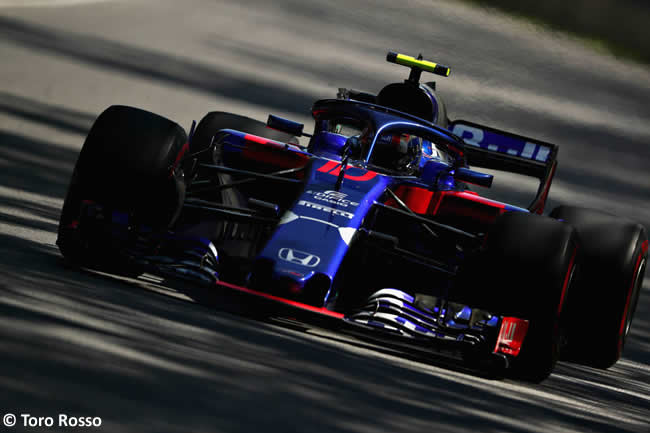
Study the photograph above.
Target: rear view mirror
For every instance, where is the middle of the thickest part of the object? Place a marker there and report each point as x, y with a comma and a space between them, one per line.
473, 177
285, 125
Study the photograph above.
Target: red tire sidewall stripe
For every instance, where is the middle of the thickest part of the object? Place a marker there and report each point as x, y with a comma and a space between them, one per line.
179, 157
565, 285
621, 330
566, 281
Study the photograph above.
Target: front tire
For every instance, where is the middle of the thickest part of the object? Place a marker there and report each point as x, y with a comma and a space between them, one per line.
129, 162
525, 270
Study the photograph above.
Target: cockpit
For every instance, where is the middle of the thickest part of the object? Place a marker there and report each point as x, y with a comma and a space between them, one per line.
376, 137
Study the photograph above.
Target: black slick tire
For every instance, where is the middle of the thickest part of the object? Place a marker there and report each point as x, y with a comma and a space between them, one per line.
129, 162
525, 270
612, 259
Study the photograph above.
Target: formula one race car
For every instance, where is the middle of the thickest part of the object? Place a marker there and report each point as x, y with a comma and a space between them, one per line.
372, 228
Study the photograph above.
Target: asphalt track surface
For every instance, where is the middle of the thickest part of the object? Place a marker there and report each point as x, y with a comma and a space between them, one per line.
146, 361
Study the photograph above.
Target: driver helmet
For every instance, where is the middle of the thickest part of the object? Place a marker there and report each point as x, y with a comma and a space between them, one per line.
398, 152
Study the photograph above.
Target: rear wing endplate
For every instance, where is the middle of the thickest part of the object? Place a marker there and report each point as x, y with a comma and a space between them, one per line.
499, 150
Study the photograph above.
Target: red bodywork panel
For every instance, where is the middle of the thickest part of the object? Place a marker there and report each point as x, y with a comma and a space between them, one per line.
448, 203
422, 201
266, 151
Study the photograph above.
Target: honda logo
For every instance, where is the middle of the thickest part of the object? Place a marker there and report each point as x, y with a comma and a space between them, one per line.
298, 257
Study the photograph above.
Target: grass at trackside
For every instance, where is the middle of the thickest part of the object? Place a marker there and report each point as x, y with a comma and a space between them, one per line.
619, 27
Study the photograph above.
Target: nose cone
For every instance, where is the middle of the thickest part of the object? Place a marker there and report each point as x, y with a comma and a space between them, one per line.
306, 286
303, 256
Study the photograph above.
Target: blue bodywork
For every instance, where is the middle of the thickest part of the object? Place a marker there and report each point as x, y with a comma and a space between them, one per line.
316, 230
322, 223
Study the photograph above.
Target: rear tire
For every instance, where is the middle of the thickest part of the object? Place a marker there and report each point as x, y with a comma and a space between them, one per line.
129, 162
612, 259
239, 241
202, 139
216, 120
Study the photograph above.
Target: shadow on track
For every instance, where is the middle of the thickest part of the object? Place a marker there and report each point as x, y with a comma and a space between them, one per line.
35, 166
150, 363
45, 114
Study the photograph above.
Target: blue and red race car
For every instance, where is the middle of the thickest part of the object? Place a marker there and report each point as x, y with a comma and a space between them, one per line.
373, 228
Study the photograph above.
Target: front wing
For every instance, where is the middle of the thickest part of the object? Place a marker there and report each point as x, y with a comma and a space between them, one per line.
394, 322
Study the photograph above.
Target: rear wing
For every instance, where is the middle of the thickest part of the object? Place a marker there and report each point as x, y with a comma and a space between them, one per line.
499, 150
